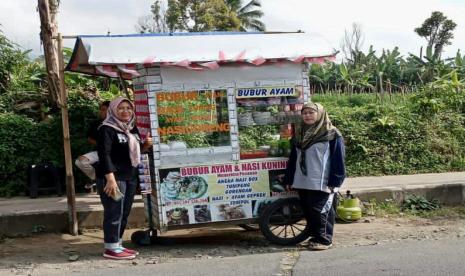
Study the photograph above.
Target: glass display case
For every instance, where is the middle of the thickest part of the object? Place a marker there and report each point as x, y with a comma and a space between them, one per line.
266, 121
194, 126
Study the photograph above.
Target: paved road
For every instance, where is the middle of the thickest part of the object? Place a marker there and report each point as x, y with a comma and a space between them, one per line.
442, 257
434, 257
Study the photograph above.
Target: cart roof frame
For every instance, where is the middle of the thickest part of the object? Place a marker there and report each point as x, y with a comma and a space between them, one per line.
119, 55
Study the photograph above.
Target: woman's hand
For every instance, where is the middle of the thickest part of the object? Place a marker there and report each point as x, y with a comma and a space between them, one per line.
111, 186
147, 143
333, 189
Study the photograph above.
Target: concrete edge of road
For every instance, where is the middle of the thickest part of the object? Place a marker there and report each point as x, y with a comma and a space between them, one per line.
448, 193
12, 225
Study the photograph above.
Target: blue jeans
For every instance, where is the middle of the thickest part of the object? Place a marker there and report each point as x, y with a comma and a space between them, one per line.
115, 213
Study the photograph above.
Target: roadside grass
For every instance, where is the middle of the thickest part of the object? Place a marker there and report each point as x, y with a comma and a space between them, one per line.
390, 208
443, 212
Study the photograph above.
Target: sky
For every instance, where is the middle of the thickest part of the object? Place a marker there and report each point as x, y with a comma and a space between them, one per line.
385, 24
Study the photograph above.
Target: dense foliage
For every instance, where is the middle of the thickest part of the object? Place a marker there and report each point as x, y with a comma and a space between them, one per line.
31, 126
417, 133
26, 142
388, 72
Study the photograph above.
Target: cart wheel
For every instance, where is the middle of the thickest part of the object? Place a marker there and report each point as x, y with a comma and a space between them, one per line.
283, 222
250, 227
142, 237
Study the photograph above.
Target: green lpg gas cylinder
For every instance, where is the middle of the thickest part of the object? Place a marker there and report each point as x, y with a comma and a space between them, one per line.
349, 209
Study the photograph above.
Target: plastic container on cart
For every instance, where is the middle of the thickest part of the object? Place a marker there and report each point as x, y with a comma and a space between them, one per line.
164, 147
177, 145
199, 151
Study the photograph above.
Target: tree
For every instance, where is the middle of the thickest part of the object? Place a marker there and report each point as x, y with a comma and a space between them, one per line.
23, 85
352, 42
154, 23
249, 15
8, 60
201, 16
48, 11
437, 30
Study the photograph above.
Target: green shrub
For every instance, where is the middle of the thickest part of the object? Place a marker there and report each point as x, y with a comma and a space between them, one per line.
394, 137
26, 142
416, 204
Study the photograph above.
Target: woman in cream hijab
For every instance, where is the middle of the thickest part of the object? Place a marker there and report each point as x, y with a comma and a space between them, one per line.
316, 170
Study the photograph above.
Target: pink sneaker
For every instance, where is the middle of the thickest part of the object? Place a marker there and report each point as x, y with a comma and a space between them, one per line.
130, 251
118, 255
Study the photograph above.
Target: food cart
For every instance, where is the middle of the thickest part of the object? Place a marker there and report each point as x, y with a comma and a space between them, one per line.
220, 109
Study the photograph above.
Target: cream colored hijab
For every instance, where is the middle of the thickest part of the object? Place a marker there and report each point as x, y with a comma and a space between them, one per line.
321, 130
307, 135
112, 121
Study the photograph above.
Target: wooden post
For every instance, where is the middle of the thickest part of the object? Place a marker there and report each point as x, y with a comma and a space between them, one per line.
55, 72
70, 191
380, 74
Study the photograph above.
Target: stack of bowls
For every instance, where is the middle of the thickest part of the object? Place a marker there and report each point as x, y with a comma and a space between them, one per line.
261, 118
245, 119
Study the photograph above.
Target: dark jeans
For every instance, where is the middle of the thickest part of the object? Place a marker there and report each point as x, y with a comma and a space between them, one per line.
321, 221
115, 213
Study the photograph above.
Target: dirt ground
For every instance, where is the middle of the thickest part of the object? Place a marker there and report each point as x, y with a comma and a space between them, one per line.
47, 254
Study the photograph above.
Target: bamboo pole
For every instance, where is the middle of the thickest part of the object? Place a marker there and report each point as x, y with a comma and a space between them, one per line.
70, 191
55, 72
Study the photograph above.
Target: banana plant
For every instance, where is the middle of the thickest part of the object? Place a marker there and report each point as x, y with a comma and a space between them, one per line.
387, 71
458, 63
430, 65
346, 76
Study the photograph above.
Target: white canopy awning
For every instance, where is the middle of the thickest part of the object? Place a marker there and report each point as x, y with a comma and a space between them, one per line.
110, 55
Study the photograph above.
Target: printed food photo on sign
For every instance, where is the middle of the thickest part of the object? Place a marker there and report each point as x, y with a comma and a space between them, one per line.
177, 216
225, 211
145, 184
258, 206
144, 171
144, 175
202, 213
175, 187
277, 184
146, 178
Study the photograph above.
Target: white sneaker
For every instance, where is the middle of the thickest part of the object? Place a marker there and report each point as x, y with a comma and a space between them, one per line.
89, 186
315, 246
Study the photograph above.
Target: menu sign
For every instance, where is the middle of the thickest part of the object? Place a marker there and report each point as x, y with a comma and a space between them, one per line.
220, 192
